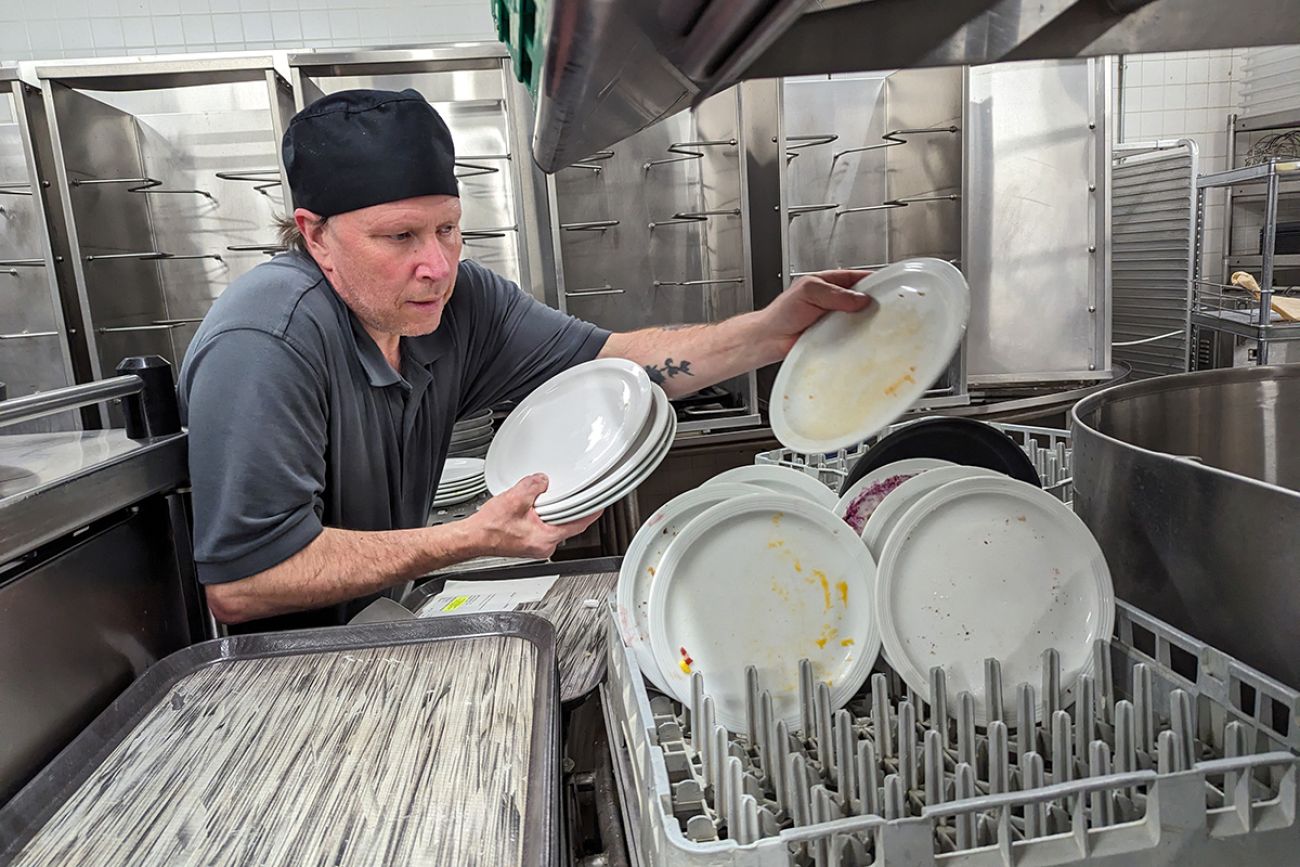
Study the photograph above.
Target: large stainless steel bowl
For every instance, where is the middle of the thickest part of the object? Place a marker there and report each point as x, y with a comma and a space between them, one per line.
1191, 484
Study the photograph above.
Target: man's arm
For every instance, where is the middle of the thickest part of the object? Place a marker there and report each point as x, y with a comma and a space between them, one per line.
684, 359
340, 565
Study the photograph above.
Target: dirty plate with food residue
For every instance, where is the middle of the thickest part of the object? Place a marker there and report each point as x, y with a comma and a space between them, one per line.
991, 567
864, 496
764, 580
852, 374
641, 563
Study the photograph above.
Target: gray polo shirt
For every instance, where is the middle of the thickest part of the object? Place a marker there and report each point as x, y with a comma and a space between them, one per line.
297, 422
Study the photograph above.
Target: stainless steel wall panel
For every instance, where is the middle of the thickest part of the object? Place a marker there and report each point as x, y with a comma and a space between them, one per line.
34, 352
1039, 161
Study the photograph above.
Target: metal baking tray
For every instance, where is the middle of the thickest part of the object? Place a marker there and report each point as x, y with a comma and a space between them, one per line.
580, 642
121, 758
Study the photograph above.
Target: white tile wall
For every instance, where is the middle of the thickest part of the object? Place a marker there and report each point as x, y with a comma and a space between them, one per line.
52, 29
1186, 95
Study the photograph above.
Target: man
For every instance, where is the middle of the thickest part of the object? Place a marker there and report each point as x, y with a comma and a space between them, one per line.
321, 389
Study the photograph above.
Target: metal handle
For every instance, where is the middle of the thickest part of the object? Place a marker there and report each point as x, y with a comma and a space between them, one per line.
268, 249
701, 410
142, 185
798, 210
22, 263
698, 282
892, 139
695, 217
473, 165
264, 179
596, 290
157, 325
902, 202
686, 154
153, 255
494, 232
590, 226
16, 188
590, 162
33, 406
23, 335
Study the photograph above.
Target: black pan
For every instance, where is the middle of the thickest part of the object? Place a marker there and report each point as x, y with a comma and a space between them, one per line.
960, 440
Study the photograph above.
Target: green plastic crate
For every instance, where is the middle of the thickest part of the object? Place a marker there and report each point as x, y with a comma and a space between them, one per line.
517, 23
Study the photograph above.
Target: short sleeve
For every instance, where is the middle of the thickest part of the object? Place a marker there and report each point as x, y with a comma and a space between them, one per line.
514, 342
257, 413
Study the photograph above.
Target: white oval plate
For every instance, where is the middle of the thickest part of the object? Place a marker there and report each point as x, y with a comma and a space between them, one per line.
764, 580
857, 517
991, 567
630, 484
886, 516
641, 562
851, 374
574, 427
457, 470
648, 442
782, 480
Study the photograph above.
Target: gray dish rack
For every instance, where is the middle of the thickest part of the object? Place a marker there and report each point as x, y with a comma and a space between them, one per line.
1169, 752
1048, 448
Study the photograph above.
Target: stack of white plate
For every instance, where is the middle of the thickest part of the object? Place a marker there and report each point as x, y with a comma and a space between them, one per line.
597, 431
471, 436
462, 480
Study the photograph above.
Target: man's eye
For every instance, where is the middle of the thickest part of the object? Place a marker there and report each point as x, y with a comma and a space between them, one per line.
446, 230
400, 236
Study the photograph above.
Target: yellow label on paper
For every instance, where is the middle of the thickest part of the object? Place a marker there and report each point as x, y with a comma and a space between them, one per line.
455, 603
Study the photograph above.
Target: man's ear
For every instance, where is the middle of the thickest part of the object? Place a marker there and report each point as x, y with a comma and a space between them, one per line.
312, 228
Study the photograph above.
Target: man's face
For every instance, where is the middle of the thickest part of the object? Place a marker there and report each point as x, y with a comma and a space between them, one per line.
393, 264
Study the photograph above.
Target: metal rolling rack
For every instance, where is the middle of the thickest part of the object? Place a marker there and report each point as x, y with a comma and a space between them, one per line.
1219, 306
170, 171
655, 231
486, 110
1153, 245
1165, 752
35, 353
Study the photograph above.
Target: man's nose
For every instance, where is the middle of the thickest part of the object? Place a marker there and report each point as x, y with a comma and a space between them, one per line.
435, 262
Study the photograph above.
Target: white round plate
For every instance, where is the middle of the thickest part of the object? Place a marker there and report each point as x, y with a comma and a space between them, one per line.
782, 480
450, 491
866, 494
627, 486
574, 427
461, 470
649, 441
764, 580
463, 497
641, 562
851, 374
991, 567
886, 516
480, 452
475, 433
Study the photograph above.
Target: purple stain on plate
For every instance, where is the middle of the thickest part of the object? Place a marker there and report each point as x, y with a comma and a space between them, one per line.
866, 502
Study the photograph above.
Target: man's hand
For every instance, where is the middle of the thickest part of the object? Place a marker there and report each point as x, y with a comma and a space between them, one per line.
807, 300
508, 525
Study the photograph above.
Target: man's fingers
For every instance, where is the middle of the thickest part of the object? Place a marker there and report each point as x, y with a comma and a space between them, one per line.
843, 278
573, 528
830, 296
532, 487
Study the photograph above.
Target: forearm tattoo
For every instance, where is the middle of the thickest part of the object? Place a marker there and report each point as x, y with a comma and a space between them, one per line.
661, 374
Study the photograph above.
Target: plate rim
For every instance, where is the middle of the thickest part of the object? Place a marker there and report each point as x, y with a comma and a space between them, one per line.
892, 645
878, 473
809, 484
647, 443
967, 473
633, 566
641, 404
861, 666
628, 486
943, 272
